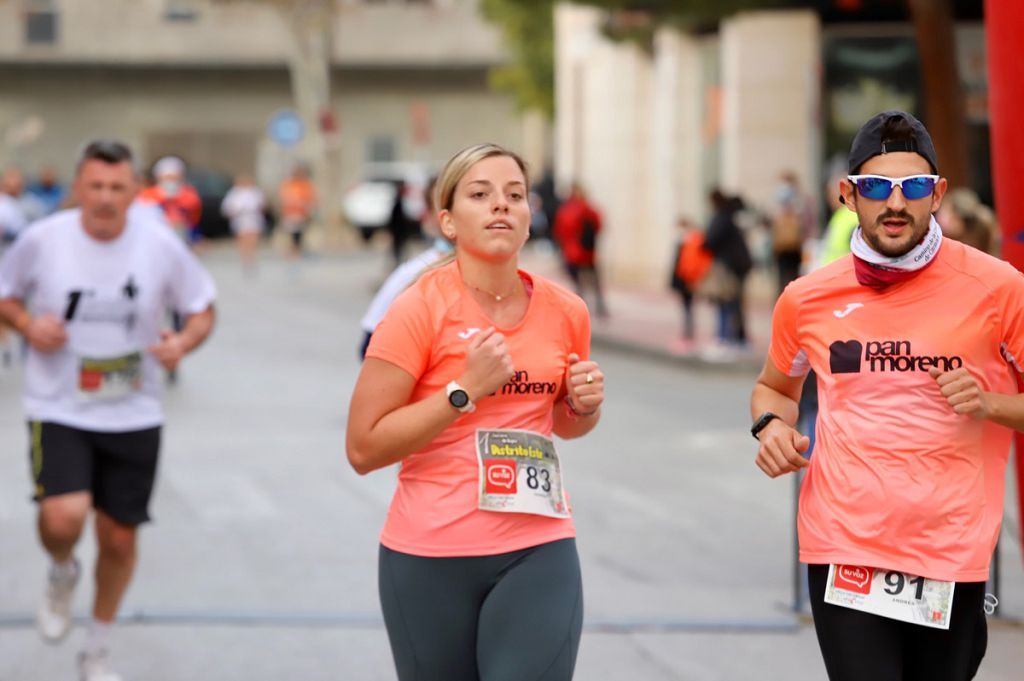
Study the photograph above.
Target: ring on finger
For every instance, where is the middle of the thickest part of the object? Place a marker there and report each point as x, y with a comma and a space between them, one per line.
590, 378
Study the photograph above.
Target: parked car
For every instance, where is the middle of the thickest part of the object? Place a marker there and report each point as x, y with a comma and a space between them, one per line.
368, 205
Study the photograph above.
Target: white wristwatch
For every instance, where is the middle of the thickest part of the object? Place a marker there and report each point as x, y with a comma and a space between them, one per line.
459, 398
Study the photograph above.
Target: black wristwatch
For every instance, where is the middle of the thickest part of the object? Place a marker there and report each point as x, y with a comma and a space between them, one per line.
459, 398
762, 422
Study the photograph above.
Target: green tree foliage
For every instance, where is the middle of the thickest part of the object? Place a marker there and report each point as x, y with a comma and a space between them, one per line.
529, 32
528, 29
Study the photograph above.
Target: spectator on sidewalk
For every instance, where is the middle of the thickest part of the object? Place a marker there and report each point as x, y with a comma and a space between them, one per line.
13, 216
965, 218
792, 225
577, 226
48, 192
841, 225
731, 265
400, 226
689, 268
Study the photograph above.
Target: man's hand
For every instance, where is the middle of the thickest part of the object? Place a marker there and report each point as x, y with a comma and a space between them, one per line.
781, 450
169, 350
963, 393
46, 333
584, 385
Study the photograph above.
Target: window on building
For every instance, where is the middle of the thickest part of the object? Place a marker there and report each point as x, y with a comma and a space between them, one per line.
380, 149
181, 10
40, 22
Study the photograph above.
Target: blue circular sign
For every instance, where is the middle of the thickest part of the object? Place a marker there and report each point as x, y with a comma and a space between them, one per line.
286, 128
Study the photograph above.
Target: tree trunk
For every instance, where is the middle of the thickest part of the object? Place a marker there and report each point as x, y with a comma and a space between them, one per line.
310, 24
944, 109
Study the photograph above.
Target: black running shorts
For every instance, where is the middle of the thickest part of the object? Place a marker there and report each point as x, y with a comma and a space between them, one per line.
117, 468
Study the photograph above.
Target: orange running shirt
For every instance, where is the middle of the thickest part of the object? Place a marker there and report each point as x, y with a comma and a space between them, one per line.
898, 480
425, 332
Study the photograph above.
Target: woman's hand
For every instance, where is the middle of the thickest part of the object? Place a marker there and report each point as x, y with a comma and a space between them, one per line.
488, 365
584, 385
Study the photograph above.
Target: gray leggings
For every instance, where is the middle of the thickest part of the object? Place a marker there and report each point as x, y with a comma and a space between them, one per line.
511, 617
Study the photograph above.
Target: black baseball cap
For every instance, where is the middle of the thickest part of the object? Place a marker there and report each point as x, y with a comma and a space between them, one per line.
869, 143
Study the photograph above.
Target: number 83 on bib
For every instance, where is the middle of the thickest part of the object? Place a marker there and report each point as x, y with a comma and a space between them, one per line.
520, 473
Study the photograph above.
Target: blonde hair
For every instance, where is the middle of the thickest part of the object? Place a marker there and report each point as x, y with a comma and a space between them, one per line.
459, 164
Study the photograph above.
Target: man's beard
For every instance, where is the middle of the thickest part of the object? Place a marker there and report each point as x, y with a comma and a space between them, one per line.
887, 248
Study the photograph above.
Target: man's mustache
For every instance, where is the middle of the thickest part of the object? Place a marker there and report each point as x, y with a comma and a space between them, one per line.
895, 215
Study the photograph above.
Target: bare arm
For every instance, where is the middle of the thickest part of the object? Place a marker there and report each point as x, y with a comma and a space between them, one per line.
173, 346
383, 427
782, 445
965, 396
45, 333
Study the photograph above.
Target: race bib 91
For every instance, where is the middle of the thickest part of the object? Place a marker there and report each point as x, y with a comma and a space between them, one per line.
892, 594
109, 378
520, 473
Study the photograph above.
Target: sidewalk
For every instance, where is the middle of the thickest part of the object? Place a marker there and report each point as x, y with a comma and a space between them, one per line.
649, 323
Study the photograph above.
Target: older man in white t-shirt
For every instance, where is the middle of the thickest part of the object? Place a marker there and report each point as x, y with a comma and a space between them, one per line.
88, 289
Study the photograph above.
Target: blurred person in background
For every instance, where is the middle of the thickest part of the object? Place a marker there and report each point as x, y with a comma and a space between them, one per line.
793, 223
965, 218
691, 265
15, 210
178, 200
727, 277
577, 226
88, 289
400, 226
244, 206
472, 371
841, 225
181, 207
12, 222
48, 191
409, 271
298, 201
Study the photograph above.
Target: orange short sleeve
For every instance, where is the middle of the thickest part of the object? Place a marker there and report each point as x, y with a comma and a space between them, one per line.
406, 334
784, 349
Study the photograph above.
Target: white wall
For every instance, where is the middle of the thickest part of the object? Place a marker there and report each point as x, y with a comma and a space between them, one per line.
771, 65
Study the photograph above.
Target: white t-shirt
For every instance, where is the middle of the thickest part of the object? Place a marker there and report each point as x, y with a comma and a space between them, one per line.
399, 280
12, 217
113, 297
243, 207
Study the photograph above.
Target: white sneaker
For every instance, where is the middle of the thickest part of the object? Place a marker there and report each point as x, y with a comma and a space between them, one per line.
54, 616
96, 667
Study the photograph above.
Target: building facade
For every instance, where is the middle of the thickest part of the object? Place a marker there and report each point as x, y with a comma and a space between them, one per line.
203, 78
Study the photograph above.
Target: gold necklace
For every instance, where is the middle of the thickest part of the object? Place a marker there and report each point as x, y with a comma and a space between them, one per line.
497, 297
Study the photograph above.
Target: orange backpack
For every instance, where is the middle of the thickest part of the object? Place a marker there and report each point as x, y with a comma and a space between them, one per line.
694, 262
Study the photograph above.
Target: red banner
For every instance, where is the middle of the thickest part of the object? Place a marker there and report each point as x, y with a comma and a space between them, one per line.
1004, 26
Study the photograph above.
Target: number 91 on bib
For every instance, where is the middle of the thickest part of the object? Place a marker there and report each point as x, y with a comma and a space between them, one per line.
520, 473
890, 593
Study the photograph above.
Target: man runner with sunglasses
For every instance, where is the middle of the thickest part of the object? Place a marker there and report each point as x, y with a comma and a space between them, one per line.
914, 339
87, 288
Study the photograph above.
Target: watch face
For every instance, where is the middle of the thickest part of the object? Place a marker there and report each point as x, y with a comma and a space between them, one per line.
458, 399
